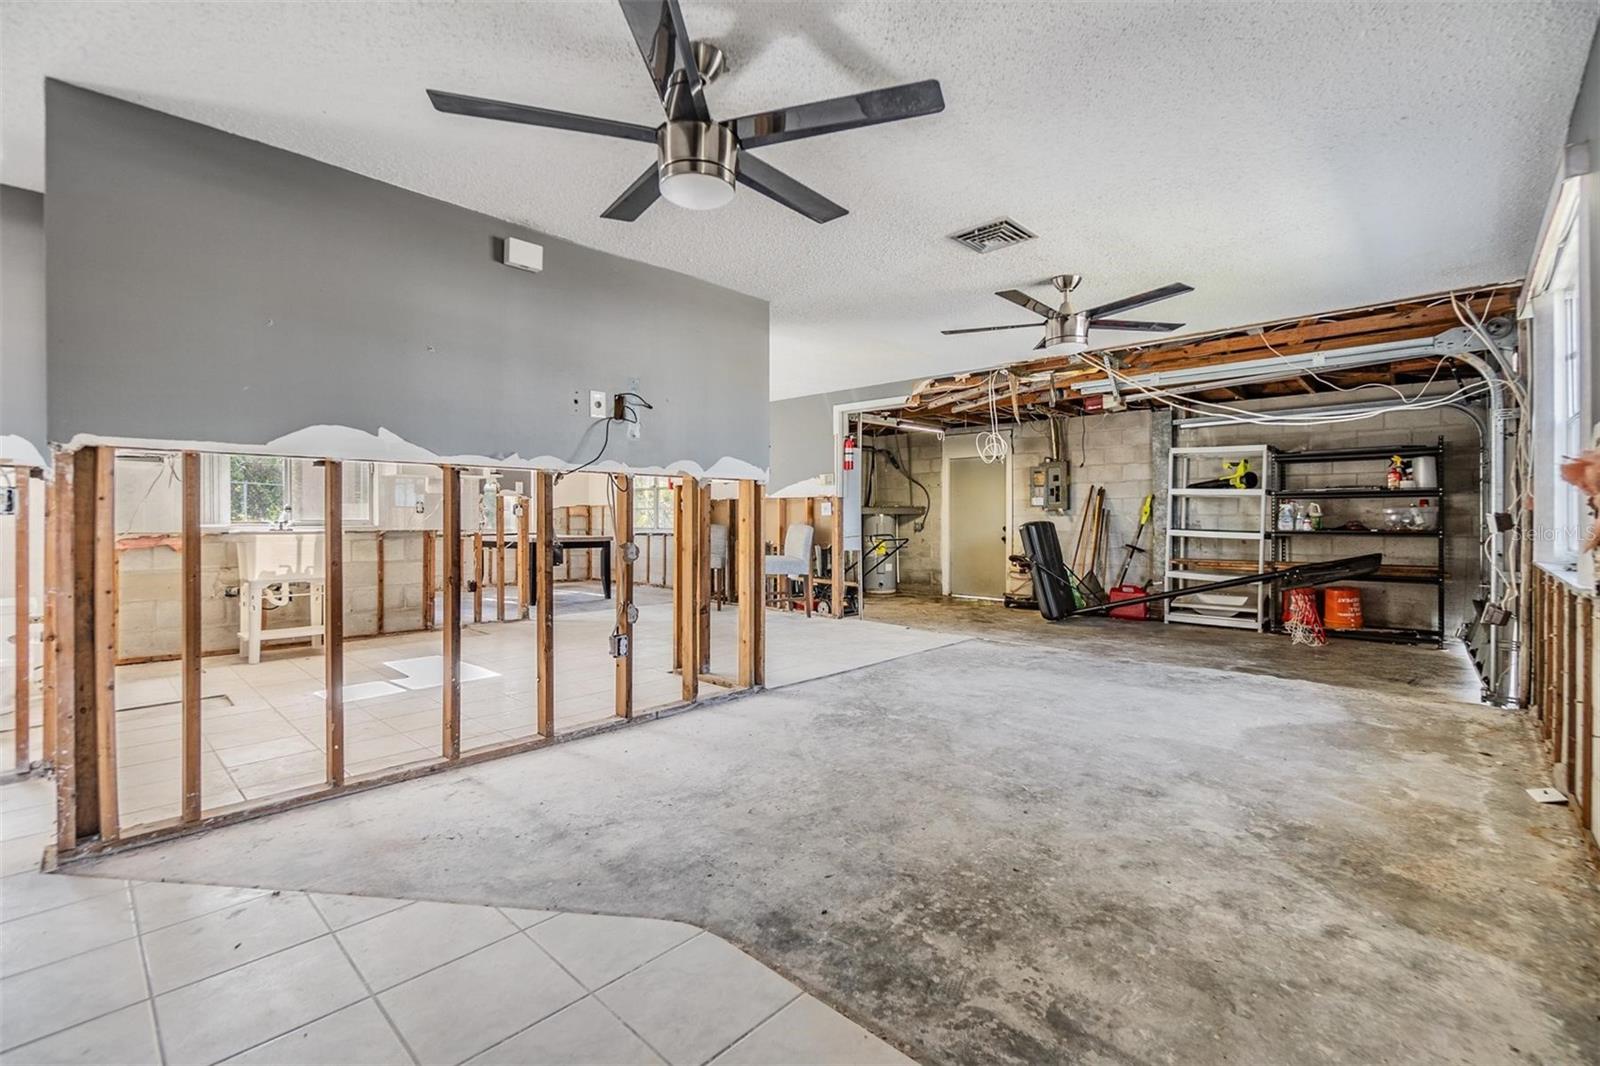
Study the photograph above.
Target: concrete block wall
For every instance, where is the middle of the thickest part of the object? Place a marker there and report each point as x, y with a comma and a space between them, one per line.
1120, 451
150, 582
1107, 451
919, 559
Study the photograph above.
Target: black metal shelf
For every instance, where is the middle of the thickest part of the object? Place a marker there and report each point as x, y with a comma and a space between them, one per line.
1355, 494
1391, 635
1277, 465
1356, 532
1339, 455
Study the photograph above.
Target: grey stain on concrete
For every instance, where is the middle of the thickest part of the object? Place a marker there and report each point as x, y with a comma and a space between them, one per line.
1076, 846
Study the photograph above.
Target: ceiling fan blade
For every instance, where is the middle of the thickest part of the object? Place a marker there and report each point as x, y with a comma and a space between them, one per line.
1123, 323
772, 182
663, 40
1022, 299
1129, 302
990, 329
478, 107
840, 113
644, 191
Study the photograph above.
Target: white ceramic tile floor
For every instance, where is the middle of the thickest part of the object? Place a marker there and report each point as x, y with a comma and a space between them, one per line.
214, 974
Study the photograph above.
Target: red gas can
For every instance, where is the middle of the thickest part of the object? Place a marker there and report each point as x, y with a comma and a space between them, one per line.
1139, 612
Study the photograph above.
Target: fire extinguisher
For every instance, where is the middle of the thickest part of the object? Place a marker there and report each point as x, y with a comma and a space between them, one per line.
850, 452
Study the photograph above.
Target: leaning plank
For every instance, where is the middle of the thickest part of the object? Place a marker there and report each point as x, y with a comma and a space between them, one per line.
333, 614
192, 681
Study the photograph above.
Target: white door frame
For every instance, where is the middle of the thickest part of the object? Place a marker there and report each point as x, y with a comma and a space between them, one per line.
965, 446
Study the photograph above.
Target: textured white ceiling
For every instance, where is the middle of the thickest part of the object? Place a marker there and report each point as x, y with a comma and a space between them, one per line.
1281, 157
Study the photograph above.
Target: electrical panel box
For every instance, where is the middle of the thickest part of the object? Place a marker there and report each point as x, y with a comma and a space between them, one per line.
1047, 486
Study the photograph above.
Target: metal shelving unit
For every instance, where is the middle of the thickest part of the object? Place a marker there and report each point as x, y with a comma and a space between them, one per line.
1188, 510
1282, 539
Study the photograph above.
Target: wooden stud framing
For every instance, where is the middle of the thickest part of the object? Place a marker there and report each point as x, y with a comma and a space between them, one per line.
749, 562
23, 710
64, 532
499, 559
451, 740
678, 593
380, 582
524, 564
545, 600
427, 578
192, 681
687, 590
837, 588
102, 651
623, 567
333, 614
477, 575
702, 600
48, 641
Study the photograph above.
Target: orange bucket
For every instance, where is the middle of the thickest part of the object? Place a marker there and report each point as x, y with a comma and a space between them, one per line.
1341, 608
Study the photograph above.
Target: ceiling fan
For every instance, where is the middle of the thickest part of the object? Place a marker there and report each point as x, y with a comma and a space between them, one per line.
1066, 327
698, 160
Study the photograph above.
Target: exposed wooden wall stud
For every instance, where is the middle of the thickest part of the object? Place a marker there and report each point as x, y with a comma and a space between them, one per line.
623, 535
333, 614
192, 624
23, 709
544, 600
451, 743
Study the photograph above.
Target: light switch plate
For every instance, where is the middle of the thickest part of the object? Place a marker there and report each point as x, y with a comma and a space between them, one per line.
597, 404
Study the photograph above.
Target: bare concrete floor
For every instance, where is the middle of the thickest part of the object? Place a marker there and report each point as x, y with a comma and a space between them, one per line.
1099, 842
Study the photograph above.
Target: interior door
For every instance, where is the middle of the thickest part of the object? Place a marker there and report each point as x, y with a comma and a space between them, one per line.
978, 534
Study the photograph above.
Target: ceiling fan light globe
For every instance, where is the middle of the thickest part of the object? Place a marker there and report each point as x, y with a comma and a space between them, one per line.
695, 190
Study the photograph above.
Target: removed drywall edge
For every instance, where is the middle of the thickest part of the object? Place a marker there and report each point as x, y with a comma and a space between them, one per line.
349, 444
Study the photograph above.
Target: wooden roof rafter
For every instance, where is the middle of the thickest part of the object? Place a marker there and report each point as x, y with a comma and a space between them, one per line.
1048, 385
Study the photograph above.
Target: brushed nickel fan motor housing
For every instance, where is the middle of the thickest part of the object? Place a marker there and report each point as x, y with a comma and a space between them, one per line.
699, 148
1067, 329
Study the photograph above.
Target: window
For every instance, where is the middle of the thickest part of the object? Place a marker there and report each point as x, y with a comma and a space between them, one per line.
1568, 514
253, 490
258, 487
652, 504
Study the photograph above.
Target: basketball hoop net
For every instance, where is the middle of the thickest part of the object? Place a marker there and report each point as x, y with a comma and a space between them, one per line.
1304, 627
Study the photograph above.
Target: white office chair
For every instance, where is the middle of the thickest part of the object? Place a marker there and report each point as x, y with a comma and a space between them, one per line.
793, 564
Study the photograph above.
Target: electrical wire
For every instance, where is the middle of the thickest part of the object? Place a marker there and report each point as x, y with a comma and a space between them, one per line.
992, 447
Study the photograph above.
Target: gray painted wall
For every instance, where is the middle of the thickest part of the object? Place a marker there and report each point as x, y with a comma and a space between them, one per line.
207, 287
22, 317
802, 430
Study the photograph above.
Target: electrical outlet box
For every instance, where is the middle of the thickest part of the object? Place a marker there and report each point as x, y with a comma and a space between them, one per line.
597, 404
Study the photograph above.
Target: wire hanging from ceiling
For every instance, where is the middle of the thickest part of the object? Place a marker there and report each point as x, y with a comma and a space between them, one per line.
991, 444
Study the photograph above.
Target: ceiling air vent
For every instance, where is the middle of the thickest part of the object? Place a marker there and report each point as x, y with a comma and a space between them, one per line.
1001, 233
